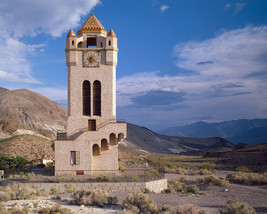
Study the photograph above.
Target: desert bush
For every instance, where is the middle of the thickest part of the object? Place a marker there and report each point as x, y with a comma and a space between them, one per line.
97, 198
148, 174
3, 209
176, 186
60, 180
236, 207
204, 172
112, 200
242, 169
53, 190
138, 202
69, 188
214, 181
145, 190
101, 179
30, 176
15, 210
121, 167
187, 209
247, 178
12, 192
181, 171
135, 177
207, 165
56, 209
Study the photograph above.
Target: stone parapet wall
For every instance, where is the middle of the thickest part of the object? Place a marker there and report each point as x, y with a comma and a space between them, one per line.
155, 186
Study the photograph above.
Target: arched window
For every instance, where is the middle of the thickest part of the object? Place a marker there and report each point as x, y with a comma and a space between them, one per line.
72, 42
80, 44
96, 150
120, 137
86, 98
97, 98
112, 139
109, 43
104, 144
101, 44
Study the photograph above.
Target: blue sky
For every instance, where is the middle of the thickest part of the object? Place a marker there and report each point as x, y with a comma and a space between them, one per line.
180, 61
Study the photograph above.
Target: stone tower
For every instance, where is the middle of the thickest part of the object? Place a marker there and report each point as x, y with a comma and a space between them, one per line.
93, 133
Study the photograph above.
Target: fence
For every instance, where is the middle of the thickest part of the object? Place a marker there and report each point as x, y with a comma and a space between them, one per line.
86, 176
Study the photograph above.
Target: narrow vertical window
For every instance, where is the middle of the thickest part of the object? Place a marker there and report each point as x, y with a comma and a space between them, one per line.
72, 157
109, 43
86, 98
72, 43
97, 98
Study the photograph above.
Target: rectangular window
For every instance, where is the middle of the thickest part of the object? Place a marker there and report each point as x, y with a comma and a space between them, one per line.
91, 41
91, 125
75, 158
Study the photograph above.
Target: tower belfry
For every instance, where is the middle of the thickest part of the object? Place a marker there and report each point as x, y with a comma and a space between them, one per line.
93, 132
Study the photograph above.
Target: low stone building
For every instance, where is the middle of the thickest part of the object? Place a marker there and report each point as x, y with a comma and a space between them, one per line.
90, 144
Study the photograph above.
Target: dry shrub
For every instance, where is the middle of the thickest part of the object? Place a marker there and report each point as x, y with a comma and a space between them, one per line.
97, 198
138, 202
3, 209
214, 181
247, 178
14, 210
207, 165
181, 171
242, 169
187, 209
12, 192
56, 209
176, 186
236, 207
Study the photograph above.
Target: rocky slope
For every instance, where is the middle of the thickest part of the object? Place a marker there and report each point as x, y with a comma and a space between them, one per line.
26, 109
142, 139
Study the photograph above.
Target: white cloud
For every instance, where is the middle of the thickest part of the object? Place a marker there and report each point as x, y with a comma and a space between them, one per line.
32, 17
235, 53
227, 6
228, 82
14, 60
164, 7
21, 18
239, 7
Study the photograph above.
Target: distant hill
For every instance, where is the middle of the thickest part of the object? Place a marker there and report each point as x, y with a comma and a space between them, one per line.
255, 157
142, 139
246, 131
26, 109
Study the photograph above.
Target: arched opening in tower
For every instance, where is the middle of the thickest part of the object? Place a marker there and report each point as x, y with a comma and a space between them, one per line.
86, 98
96, 150
104, 144
97, 98
112, 139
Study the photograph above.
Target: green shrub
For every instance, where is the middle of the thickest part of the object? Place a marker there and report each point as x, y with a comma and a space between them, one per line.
56, 209
148, 174
53, 190
236, 207
101, 179
207, 165
247, 178
121, 167
112, 200
138, 202
190, 189
214, 181
60, 180
242, 169
135, 177
187, 209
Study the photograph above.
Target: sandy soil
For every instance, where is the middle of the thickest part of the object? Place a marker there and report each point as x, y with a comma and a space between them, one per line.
48, 202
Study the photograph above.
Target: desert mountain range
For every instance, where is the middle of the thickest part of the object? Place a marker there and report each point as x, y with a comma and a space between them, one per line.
23, 112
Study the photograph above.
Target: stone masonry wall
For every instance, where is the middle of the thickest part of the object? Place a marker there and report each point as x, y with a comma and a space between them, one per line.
154, 186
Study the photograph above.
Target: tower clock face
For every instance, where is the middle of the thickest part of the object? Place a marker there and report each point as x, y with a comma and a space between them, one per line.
91, 59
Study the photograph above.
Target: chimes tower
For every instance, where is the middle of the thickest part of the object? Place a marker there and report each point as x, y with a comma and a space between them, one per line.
93, 133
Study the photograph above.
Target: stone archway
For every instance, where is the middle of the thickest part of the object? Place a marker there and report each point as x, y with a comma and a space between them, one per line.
104, 144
